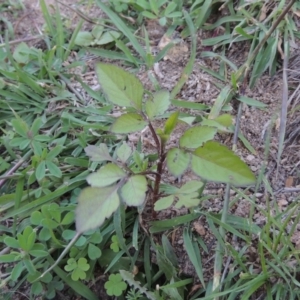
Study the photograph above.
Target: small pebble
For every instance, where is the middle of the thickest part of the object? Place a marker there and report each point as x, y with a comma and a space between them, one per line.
250, 157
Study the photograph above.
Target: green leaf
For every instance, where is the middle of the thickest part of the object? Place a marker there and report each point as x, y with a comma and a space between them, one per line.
93, 252
189, 200
190, 187
178, 161
108, 37
149, 15
40, 171
8, 258
68, 218
164, 203
196, 136
21, 53
54, 152
251, 102
97, 31
54, 169
124, 152
11, 242
242, 32
72, 264
159, 104
38, 253
106, 175
134, 190
84, 38
17, 271
35, 127
225, 120
121, 87
215, 162
98, 154
171, 123
20, 127
94, 206
128, 123
115, 286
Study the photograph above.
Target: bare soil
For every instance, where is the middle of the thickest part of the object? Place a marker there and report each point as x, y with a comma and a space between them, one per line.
201, 88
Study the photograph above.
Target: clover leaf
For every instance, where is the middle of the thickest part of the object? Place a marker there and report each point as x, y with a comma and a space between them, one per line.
78, 268
115, 285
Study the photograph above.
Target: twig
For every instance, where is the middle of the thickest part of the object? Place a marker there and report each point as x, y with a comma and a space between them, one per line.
28, 39
15, 167
284, 105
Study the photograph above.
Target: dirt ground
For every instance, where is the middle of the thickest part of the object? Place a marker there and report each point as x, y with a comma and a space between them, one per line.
201, 88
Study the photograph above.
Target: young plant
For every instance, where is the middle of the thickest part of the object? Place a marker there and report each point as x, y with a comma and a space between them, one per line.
126, 175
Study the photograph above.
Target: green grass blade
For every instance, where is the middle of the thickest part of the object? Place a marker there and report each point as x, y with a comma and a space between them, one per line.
194, 254
118, 22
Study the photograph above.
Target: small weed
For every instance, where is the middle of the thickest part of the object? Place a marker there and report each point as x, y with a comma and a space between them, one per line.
115, 285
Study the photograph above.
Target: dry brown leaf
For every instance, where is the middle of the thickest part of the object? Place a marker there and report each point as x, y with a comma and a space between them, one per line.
199, 228
280, 49
289, 182
263, 12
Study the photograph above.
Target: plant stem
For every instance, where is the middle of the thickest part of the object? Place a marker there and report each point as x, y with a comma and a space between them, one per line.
162, 156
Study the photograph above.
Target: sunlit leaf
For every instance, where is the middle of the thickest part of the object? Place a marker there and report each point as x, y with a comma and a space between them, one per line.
94, 206
188, 200
128, 123
159, 104
164, 203
190, 187
124, 152
177, 161
108, 37
196, 136
214, 162
134, 190
84, 38
121, 87
171, 122
106, 175
225, 120
98, 153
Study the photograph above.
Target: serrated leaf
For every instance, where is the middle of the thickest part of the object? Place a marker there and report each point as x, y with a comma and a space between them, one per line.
98, 153
171, 123
94, 206
121, 87
188, 200
196, 136
214, 162
164, 203
177, 161
124, 152
159, 104
134, 190
128, 123
190, 187
106, 175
